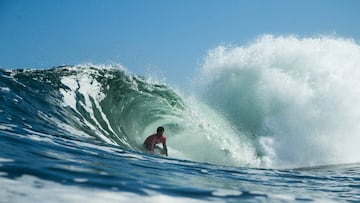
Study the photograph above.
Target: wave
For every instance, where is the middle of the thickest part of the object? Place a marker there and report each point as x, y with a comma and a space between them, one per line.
277, 102
107, 104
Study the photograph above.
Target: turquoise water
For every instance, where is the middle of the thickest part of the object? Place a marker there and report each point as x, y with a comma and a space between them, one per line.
261, 125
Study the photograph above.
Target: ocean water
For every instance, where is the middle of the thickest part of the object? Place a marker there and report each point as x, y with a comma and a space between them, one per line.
276, 120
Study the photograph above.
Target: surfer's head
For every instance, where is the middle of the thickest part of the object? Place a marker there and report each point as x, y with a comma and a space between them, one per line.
160, 131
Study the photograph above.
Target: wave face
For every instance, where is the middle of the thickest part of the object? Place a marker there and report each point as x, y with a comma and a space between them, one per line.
108, 105
297, 99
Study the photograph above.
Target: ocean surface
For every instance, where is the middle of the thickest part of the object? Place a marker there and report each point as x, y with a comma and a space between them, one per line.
263, 123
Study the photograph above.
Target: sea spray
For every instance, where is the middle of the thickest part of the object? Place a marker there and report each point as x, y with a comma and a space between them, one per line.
297, 97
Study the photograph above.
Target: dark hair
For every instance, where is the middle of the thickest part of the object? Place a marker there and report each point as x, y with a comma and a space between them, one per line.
160, 129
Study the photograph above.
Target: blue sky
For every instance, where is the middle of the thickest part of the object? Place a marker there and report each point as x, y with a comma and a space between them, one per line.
167, 38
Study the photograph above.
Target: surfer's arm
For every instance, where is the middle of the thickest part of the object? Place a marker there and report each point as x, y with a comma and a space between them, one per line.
165, 148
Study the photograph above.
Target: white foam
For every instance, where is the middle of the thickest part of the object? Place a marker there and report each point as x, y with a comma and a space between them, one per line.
6, 160
81, 180
226, 192
3, 173
5, 89
36, 190
85, 84
300, 93
6, 127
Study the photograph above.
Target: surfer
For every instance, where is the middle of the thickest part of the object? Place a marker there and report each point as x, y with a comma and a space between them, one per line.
154, 139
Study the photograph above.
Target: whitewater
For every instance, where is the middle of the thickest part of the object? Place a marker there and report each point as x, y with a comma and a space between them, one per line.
276, 120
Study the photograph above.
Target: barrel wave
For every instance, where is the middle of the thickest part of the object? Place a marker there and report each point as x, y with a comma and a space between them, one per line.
107, 104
